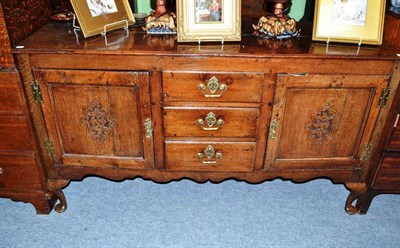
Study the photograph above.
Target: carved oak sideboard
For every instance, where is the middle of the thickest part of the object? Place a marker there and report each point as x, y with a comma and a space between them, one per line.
133, 105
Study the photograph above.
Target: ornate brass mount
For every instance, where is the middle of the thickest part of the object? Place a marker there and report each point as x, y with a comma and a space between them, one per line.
1, 171
206, 157
213, 86
211, 120
148, 128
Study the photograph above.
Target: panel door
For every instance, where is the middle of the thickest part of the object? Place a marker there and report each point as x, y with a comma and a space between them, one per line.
322, 121
97, 118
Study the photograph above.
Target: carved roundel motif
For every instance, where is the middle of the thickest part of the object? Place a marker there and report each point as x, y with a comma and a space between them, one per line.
97, 120
323, 124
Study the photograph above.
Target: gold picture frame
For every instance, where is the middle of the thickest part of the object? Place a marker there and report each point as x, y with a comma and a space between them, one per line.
349, 21
209, 20
96, 17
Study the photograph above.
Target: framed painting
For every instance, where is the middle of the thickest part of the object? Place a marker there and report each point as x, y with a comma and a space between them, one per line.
351, 21
100, 16
209, 20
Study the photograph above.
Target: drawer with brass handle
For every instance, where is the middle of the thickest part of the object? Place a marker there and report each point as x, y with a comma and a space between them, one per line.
18, 173
210, 122
209, 156
204, 86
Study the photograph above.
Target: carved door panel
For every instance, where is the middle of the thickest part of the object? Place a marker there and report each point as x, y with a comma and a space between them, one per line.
322, 121
98, 118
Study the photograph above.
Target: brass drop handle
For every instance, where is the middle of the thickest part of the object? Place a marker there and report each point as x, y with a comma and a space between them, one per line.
1, 171
211, 121
209, 155
214, 87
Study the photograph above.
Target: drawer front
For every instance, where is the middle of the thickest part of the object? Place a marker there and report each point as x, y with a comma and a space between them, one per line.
14, 134
394, 142
224, 87
10, 99
18, 173
388, 176
206, 122
210, 156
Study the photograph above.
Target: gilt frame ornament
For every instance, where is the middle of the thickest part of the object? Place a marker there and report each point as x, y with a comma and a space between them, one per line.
190, 29
362, 25
323, 125
97, 17
98, 121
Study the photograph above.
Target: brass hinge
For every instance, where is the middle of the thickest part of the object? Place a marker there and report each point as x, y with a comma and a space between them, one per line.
148, 128
37, 93
51, 151
272, 129
384, 97
366, 152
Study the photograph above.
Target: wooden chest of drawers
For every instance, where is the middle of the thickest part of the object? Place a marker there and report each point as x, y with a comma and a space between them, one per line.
210, 120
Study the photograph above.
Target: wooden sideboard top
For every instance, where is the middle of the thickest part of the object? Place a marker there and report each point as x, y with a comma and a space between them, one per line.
62, 38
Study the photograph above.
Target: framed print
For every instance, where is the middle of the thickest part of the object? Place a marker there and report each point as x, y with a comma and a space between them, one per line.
98, 16
209, 20
351, 21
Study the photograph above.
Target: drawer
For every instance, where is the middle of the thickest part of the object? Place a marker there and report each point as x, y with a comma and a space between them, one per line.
14, 134
388, 176
394, 142
210, 122
10, 98
202, 86
18, 173
209, 156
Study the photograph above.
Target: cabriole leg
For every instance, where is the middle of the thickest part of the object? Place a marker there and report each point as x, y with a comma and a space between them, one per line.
357, 191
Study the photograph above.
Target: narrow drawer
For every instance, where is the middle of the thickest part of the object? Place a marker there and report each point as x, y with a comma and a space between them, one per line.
18, 173
209, 156
10, 98
14, 134
206, 122
388, 176
202, 86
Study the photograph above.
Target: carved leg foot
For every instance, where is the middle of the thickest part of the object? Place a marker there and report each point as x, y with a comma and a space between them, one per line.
55, 186
62, 205
357, 191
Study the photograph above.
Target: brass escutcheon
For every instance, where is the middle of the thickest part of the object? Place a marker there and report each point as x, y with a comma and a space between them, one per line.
1, 171
206, 157
214, 87
211, 120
